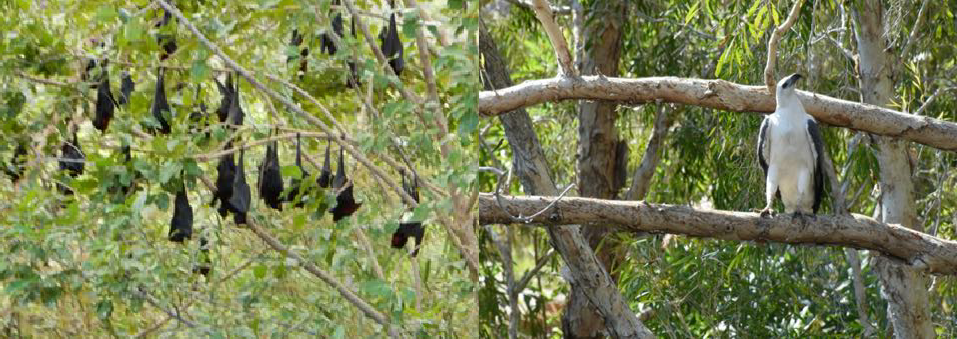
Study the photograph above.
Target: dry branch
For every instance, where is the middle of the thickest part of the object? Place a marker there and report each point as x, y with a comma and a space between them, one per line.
724, 95
543, 11
769, 79
920, 250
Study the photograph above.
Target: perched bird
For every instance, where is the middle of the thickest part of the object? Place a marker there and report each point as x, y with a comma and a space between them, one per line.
408, 229
181, 226
239, 201
325, 173
791, 152
126, 89
161, 105
225, 172
345, 201
270, 180
105, 104
72, 161
15, 168
391, 45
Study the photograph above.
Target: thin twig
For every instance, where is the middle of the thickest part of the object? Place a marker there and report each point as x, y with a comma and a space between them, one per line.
913, 32
769, 78
543, 11
641, 181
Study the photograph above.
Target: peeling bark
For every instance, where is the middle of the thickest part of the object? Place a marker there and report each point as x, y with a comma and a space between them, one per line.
599, 158
903, 245
531, 167
904, 288
723, 95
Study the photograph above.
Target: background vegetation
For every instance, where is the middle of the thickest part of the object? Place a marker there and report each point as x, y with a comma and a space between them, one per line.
711, 288
88, 265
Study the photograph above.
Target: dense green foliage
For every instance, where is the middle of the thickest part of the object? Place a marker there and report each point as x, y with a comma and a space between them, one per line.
710, 288
81, 265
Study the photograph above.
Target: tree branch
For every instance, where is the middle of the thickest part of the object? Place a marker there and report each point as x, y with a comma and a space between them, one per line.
914, 248
362, 305
724, 95
769, 78
649, 161
543, 11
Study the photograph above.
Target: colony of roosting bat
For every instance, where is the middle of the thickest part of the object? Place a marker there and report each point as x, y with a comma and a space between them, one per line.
232, 193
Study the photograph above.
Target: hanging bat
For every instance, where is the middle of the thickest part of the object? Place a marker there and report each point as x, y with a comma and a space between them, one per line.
236, 115
325, 40
227, 91
160, 105
325, 174
303, 53
239, 201
72, 161
225, 171
408, 229
15, 168
353, 69
270, 180
198, 118
391, 45
126, 89
104, 103
181, 226
345, 201
296, 192
166, 41
205, 261
120, 187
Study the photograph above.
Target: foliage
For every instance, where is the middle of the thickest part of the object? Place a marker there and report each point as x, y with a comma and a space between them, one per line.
80, 265
699, 288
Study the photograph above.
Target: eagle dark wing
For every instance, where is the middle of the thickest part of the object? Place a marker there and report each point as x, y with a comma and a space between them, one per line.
764, 147
818, 152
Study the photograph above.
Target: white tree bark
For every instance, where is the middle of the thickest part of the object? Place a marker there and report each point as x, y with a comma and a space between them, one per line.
904, 288
724, 95
906, 246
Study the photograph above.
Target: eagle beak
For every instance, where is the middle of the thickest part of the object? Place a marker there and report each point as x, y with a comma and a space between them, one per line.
792, 79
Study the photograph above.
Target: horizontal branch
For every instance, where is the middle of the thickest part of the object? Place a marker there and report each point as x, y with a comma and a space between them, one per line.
724, 95
918, 249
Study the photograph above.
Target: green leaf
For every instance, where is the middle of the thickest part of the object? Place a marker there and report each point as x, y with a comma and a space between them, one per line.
692, 12
259, 271
104, 308
199, 72
410, 23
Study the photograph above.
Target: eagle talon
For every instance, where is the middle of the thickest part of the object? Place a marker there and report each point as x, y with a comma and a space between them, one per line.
767, 213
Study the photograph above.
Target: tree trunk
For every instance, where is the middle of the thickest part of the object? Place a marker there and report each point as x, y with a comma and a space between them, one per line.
599, 156
532, 169
904, 289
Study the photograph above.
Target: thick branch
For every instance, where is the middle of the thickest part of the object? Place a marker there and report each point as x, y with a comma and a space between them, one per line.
769, 79
724, 95
649, 162
543, 11
917, 249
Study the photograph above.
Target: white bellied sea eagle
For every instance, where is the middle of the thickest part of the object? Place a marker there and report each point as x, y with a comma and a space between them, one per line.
791, 152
